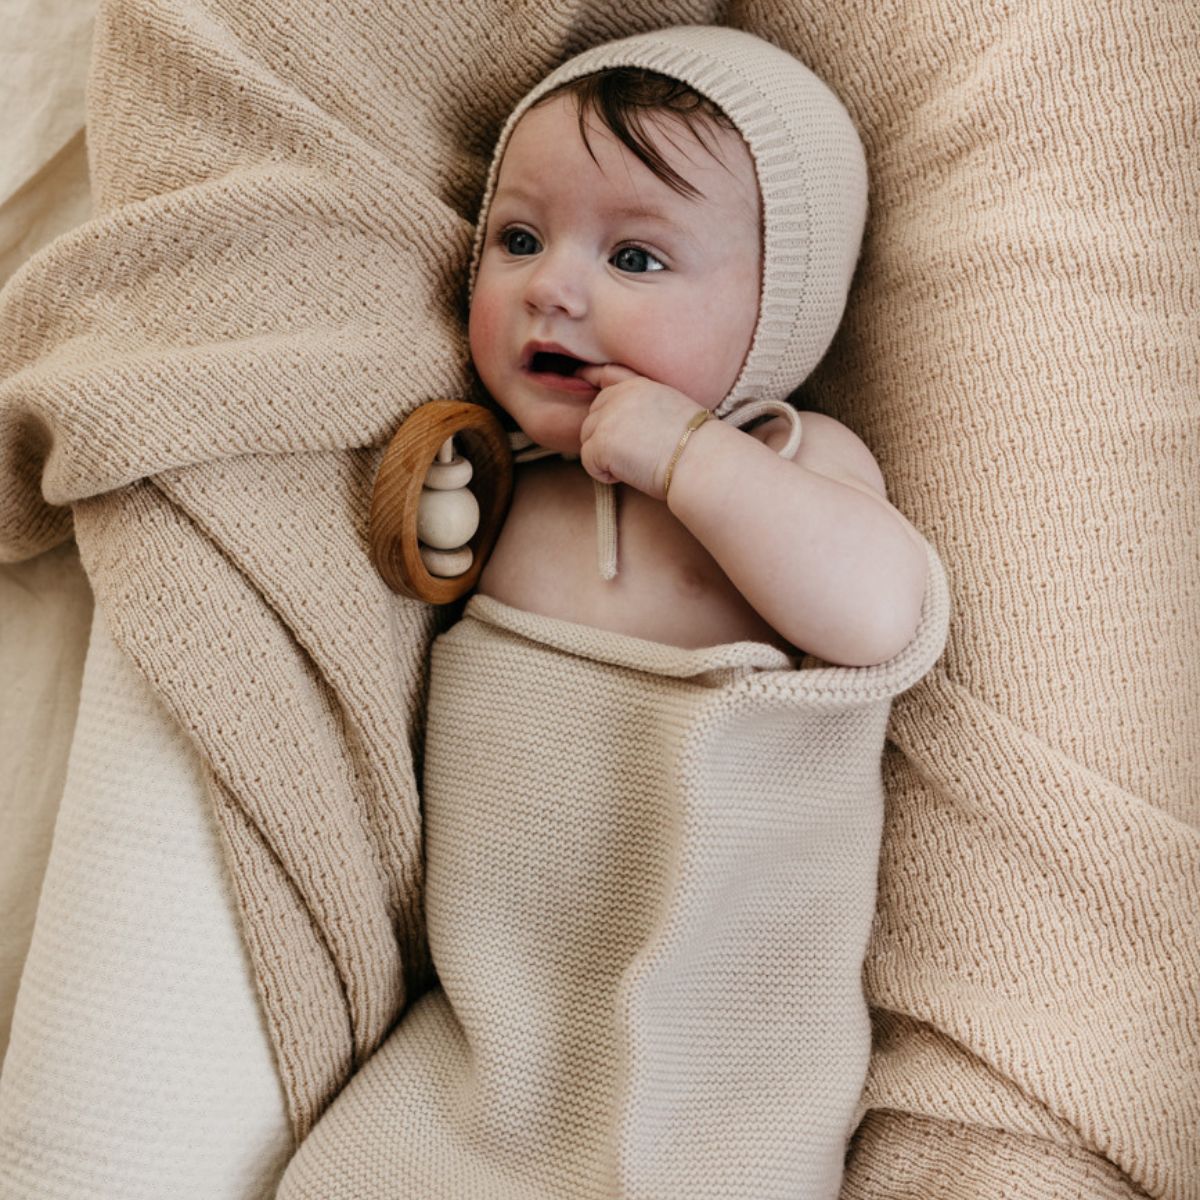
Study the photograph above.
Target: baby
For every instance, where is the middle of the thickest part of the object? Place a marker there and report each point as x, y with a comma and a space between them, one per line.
618, 291
650, 840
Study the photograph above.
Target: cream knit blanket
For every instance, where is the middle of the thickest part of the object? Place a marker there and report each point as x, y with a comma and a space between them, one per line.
204, 376
650, 882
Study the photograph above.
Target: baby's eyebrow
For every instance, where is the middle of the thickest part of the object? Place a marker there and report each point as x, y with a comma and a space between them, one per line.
625, 212
639, 212
509, 192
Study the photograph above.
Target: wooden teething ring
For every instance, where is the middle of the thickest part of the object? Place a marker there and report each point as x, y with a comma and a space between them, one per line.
393, 524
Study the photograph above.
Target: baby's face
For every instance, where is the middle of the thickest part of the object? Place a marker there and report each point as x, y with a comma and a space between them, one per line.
601, 261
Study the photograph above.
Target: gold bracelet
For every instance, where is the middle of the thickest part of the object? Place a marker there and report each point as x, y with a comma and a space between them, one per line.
694, 424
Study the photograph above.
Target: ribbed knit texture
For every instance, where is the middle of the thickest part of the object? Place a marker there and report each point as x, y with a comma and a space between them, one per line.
205, 374
650, 882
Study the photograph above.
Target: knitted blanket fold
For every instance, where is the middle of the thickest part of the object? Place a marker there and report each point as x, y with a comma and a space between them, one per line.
650, 877
199, 381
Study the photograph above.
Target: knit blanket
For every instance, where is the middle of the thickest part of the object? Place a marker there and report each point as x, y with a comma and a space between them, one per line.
198, 383
650, 877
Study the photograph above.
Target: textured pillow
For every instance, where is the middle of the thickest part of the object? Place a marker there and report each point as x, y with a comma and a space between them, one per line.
1020, 351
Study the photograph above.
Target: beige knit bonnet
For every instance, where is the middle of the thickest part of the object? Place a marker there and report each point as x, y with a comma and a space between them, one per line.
812, 178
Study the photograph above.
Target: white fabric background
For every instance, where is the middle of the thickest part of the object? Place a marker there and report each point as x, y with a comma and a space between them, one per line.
135, 1060
45, 604
139, 1066
45, 617
43, 164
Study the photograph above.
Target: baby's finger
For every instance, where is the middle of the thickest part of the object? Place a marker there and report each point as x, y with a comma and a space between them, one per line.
587, 458
588, 426
603, 375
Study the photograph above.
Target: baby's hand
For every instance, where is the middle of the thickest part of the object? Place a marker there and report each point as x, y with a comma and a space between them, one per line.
632, 428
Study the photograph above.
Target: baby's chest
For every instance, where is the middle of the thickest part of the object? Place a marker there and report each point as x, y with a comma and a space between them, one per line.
668, 587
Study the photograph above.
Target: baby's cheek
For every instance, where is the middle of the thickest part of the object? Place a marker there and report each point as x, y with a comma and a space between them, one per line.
681, 341
479, 324
483, 331
652, 344
712, 348
686, 362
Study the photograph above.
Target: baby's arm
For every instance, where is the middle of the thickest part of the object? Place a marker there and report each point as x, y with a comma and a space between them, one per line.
812, 543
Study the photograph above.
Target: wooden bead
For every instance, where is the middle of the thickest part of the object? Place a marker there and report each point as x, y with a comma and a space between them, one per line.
445, 476
447, 520
446, 564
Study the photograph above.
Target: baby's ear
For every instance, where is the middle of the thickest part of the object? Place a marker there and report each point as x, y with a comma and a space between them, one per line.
830, 448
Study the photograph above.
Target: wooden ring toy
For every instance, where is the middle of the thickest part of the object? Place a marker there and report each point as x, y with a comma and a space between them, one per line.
395, 503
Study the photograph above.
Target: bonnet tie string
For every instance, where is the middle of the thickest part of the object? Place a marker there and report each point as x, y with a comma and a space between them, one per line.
526, 450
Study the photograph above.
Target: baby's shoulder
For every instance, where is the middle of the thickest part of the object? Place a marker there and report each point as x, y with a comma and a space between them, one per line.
827, 447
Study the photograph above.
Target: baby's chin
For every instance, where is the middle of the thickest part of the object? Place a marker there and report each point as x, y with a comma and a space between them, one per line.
567, 447
559, 436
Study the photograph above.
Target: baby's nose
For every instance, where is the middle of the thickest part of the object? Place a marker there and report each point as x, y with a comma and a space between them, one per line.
556, 284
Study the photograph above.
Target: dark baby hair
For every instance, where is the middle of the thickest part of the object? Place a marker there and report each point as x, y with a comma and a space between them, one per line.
620, 96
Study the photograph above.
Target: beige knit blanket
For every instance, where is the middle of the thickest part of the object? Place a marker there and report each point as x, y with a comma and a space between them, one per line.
203, 377
650, 877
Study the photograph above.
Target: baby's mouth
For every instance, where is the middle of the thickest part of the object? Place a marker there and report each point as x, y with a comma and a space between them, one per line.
547, 362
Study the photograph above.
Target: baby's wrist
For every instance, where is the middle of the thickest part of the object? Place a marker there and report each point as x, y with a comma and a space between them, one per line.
698, 463
699, 418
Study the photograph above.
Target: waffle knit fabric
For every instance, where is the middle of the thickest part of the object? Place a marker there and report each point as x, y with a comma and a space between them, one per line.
200, 380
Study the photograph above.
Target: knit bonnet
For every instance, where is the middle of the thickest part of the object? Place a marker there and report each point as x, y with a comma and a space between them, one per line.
812, 179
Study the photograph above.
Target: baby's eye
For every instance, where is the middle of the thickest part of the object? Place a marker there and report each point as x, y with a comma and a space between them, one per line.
635, 260
519, 241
